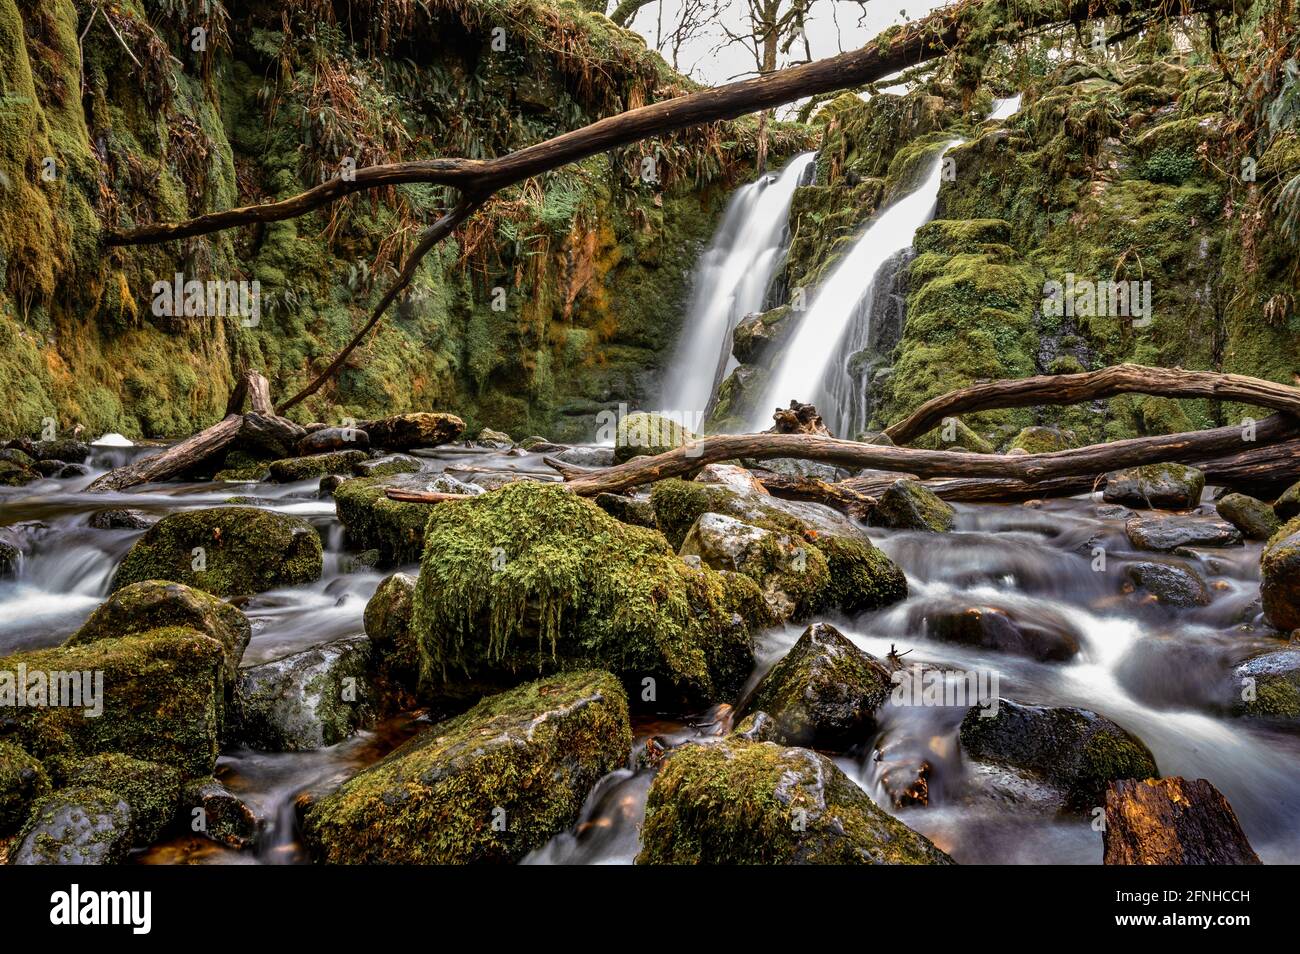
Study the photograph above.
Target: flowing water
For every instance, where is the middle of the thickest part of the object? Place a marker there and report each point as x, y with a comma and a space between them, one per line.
805, 365
1005, 108
731, 281
1157, 672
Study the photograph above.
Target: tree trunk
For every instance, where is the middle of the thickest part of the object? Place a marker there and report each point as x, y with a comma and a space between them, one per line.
176, 459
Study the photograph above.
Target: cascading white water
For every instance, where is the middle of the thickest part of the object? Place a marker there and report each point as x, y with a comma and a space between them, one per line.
731, 281
1005, 108
801, 373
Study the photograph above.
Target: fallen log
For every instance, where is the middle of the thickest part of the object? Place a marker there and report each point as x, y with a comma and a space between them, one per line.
840, 495
1090, 385
174, 460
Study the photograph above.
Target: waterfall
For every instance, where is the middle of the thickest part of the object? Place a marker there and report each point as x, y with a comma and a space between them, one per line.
730, 282
804, 370
1005, 108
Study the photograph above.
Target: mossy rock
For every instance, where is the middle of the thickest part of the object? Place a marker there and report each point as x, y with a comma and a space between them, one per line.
909, 505
649, 434
1255, 519
487, 786
531, 577
1268, 687
394, 528
742, 802
1279, 569
824, 692
162, 699
1287, 505
404, 432
153, 604
388, 624
305, 468
76, 826
23, 779
16, 475
387, 466
240, 550
1041, 440
634, 510
1162, 486
153, 791
1074, 749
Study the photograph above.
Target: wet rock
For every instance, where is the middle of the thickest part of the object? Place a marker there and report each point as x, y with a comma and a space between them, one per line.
794, 467
1279, 570
405, 432
1169, 533
1160, 486
210, 809
373, 521
581, 587
729, 475
637, 511
46, 468
67, 450
447, 484
1050, 638
587, 456
1170, 585
333, 439
307, 700
23, 779
1287, 506
1042, 440
493, 439
227, 551
11, 558
908, 505
388, 624
1172, 821
328, 484
153, 604
15, 475
161, 696
824, 692
151, 790
387, 466
495, 481
70, 471
1267, 687
304, 468
19, 458
758, 727
536, 444
75, 826
742, 802
1075, 749
643, 433
1254, 518
487, 786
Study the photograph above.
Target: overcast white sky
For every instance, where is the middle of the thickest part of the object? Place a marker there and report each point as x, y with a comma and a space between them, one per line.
832, 28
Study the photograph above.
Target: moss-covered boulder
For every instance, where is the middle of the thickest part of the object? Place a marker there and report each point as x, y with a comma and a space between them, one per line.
1166, 534
643, 433
404, 432
153, 604
1041, 440
396, 655
1287, 505
1267, 687
824, 692
387, 466
76, 826
909, 505
227, 551
487, 786
16, 475
373, 522
531, 577
1255, 519
23, 779
153, 791
743, 802
637, 511
305, 468
306, 700
1279, 570
1160, 486
1074, 749
160, 698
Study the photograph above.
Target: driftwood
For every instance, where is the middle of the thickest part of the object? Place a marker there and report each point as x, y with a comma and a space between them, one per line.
176, 459
1046, 389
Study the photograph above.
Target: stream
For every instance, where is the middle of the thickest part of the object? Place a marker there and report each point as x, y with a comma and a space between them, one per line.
1154, 670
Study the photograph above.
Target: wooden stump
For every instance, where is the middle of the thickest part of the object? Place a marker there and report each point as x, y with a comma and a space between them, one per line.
1172, 821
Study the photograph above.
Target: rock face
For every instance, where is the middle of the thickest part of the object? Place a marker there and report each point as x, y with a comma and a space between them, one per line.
76, 826
304, 468
22, 780
1163, 486
824, 692
227, 551
908, 505
162, 699
1254, 518
531, 577
1075, 749
1170, 585
642, 433
1279, 570
744, 802
1172, 821
151, 790
307, 700
487, 786
991, 627
1169, 533
152, 604
409, 431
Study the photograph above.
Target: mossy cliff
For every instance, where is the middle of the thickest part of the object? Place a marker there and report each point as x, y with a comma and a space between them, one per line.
514, 323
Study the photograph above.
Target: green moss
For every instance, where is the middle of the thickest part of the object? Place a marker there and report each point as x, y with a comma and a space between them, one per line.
487, 786
647, 433
152, 791
22, 780
305, 468
394, 528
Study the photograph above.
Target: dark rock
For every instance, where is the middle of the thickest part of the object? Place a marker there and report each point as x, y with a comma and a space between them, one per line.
210, 809
1172, 821
23, 779
908, 505
992, 627
1170, 585
495, 440
388, 624
123, 520
1254, 518
1162, 486
15, 475
1169, 533
408, 431
75, 826
152, 791
333, 439
70, 471
637, 511
1287, 506
1042, 440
